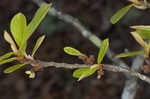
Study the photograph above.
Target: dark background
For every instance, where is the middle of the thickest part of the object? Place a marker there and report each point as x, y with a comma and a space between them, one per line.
52, 83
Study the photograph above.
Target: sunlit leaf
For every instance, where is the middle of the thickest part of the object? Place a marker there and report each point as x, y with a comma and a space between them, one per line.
13, 68
7, 55
129, 54
38, 43
7, 60
78, 72
38, 17
8, 38
141, 27
149, 43
103, 50
138, 38
142, 30
30, 73
83, 72
119, 14
144, 34
137, 2
141, 7
72, 51
18, 27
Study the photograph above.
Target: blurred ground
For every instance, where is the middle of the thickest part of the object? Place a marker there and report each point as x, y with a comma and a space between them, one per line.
52, 83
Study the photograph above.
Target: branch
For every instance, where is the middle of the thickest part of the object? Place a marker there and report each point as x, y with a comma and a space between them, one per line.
131, 84
85, 32
106, 67
88, 34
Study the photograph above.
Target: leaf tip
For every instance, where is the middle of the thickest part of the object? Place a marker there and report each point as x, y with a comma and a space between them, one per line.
82, 77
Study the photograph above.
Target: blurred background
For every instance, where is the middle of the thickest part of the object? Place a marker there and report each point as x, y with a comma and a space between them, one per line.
52, 83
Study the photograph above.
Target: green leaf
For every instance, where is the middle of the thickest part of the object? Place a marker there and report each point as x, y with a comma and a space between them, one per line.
38, 17
13, 68
144, 34
38, 43
78, 72
139, 39
141, 27
8, 38
30, 73
18, 27
149, 43
103, 50
7, 55
83, 72
141, 7
129, 54
119, 14
72, 51
7, 60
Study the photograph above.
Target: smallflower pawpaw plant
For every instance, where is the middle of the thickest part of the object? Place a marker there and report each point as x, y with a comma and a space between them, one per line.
21, 32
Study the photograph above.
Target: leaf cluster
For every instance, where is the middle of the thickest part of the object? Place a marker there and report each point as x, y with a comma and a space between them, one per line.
21, 32
85, 72
142, 5
141, 33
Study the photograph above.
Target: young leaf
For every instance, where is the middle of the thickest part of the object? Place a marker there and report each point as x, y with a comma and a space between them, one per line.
149, 43
72, 51
7, 60
38, 43
141, 7
103, 50
138, 38
115, 18
18, 27
82, 77
141, 42
142, 30
38, 17
13, 68
141, 27
8, 38
78, 72
84, 72
30, 73
129, 54
7, 55
137, 2
144, 34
